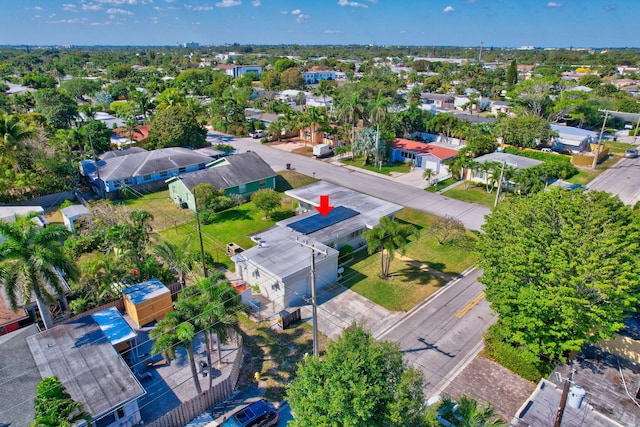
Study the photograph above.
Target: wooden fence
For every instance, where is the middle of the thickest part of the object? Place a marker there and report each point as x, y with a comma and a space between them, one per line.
220, 392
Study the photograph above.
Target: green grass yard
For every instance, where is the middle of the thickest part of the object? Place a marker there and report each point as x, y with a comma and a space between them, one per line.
386, 169
473, 194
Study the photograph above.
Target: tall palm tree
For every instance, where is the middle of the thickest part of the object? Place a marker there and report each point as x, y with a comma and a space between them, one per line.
378, 114
324, 89
388, 237
177, 257
29, 258
317, 117
176, 330
13, 133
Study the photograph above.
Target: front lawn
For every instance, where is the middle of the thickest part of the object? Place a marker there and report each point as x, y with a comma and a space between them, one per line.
410, 284
166, 213
473, 194
441, 185
386, 169
585, 174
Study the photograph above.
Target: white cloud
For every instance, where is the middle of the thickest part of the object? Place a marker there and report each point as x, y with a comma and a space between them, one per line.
283, 12
448, 9
229, 3
69, 7
351, 3
198, 8
119, 2
91, 6
333, 31
37, 8
555, 4
296, 12
70, 21
610, 7
302, 18
155, 19
256, 3
37, 16
114, 11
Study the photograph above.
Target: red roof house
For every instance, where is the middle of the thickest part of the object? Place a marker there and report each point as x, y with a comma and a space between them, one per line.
423, 155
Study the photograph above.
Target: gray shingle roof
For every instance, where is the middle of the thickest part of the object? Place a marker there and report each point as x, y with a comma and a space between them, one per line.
20, 376
86, 363
148, 162
231, 171
518, 162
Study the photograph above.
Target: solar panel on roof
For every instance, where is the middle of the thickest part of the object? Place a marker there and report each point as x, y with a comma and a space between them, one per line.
317, 222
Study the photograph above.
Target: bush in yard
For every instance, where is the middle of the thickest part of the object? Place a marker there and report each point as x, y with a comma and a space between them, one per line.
447, 229
266, 200
346, 253
515, 358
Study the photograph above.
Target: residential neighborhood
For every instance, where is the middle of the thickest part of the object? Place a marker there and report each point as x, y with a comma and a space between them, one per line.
201, 233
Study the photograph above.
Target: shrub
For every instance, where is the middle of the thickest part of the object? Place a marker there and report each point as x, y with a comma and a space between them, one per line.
517, 359
237, 199
346, 253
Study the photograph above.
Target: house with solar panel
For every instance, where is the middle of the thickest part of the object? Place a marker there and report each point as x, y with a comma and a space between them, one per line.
280, 266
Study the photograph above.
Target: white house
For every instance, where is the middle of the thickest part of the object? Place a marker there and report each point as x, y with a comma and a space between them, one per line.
499, 158
280, 266
238, 70
319, 101
572, 139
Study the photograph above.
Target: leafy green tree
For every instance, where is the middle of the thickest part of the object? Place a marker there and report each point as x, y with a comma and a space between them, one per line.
267, 200
54, 407
291, 78
590, 80
77, 88
560, 268
358, 382
13, 134
39, 81
283, 64
176, 126
388, 237
526, 130
59, 108
29, 258
512, 73
96, 137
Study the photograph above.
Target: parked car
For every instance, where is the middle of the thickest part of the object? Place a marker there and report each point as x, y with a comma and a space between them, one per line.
260, 413
257, 134
631, 153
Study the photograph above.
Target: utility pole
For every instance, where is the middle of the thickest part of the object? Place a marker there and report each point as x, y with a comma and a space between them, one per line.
204, 264
635, 133
563, 399
314, 304
499, 186
597, 153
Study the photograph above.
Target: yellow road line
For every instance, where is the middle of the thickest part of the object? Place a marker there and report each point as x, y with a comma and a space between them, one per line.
469, 306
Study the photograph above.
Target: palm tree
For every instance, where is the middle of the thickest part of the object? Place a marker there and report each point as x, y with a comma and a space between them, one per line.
177, 257
13, 133
388, 237
366, 144
176, 330
30, 259
428, 174
324, 89
379, 113
467, 413
316, 116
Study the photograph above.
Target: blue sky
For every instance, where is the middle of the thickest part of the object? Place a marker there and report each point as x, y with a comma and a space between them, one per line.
500, 23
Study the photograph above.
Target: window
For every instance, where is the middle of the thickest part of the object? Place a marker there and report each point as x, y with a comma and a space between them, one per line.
263, 183
106, 420
116, 184
146, 177
242, 188
128, 181
202, 166
183, 169
164, 174
120, 413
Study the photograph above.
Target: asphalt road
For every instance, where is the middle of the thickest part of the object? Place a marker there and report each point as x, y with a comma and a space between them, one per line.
472, 215
622, 179
443, 334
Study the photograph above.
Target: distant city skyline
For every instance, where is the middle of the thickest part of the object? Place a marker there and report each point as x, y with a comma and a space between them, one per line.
499, 23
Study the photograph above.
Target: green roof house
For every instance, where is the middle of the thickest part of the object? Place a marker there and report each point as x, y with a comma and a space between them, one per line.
241, 174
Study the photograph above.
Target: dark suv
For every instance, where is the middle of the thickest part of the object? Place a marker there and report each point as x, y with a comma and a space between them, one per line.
257, 414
